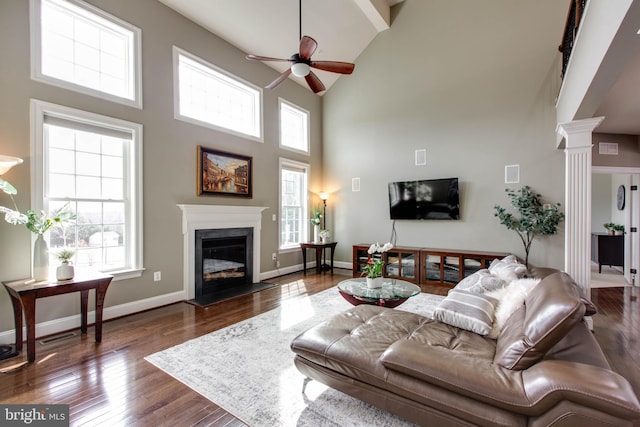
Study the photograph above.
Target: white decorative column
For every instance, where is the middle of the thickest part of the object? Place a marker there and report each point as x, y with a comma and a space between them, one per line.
577, 238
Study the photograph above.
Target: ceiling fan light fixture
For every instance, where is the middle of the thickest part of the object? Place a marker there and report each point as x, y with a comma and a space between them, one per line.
300, 69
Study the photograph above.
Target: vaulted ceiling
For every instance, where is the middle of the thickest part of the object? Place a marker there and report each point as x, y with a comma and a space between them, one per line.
344, 28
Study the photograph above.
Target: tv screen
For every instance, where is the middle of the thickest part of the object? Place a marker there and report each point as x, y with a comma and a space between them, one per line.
425, 199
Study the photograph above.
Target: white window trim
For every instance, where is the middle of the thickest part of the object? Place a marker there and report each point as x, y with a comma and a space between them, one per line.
305, 111
40, 109
36, 55
282, 161
176, 96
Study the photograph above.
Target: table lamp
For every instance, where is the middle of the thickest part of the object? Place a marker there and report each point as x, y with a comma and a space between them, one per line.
6, 163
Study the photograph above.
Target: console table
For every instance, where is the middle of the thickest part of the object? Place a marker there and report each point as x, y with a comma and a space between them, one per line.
23, 294
319, 247
607, 249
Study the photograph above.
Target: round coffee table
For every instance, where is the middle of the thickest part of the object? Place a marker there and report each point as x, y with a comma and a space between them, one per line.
392, 293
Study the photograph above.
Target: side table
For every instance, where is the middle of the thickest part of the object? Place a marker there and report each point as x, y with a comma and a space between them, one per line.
319, 247
23, 294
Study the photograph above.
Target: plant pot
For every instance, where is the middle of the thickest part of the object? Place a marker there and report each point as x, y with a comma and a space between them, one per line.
65, 271
612, 232
374, 282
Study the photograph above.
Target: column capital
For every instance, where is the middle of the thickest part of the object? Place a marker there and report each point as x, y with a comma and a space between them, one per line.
577, 128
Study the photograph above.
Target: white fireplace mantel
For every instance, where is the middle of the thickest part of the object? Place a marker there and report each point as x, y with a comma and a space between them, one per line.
205, 217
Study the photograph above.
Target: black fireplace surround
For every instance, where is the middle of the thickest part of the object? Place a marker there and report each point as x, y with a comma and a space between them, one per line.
223, 264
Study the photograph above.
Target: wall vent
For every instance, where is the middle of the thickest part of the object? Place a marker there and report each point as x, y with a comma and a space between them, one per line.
57, 338
608, 148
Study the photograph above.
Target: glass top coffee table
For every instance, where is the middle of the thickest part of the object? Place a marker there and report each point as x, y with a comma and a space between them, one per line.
392, 293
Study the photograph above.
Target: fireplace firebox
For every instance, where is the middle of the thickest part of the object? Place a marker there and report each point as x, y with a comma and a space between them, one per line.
223, 263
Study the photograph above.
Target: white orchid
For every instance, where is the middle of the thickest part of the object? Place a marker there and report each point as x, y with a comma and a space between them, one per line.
375, 247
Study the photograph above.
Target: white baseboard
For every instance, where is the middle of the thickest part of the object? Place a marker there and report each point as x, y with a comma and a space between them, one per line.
73, 322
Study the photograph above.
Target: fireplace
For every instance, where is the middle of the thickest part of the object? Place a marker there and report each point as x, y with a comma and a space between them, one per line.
223, 261
205, 218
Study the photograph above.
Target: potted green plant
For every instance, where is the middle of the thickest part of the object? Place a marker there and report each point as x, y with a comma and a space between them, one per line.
65, 270
37, 223
534, 218
618, 229
375, 264
609, 226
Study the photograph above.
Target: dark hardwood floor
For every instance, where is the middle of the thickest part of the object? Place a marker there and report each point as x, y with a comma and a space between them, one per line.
111, 384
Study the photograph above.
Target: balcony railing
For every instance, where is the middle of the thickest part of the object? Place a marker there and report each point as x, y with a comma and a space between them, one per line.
570, 31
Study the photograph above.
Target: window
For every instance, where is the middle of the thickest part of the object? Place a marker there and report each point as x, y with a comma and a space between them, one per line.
294, 127
80, 47
293, 203
207, 96
92, 165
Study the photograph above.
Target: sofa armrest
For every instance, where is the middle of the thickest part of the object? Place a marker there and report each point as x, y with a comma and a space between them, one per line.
591, 386
531, 391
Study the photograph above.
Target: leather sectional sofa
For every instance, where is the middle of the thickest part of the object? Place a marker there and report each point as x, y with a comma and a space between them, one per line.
545, 368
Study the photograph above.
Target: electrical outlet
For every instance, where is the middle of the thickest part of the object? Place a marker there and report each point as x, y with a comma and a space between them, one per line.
157, 276
277, 263
274, 256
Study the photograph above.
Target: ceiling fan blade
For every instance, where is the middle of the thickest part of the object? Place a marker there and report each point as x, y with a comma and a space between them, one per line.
314, 82
307, 47
334, 66
282, 77
265, 58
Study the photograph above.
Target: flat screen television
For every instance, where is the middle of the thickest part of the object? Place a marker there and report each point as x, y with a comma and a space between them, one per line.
425, 199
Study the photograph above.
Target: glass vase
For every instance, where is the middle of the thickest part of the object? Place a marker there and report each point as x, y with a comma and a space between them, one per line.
40, 259
316, 233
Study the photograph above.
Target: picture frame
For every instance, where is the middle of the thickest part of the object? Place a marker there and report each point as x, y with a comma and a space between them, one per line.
221, 173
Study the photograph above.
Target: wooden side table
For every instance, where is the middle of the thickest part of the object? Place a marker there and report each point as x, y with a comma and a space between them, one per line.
319, 247
23, 294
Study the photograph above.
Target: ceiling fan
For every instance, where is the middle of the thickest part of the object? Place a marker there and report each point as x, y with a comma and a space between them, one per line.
301, 63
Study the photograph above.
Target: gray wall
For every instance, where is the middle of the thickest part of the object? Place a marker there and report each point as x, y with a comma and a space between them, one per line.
464, 81
169, 145
628, 150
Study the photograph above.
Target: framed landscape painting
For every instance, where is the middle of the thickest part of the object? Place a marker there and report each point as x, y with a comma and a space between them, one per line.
224, 174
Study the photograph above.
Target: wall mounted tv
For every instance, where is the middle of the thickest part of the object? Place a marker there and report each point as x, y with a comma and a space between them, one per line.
425, 199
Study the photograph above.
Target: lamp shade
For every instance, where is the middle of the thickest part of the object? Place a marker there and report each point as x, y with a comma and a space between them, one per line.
300, 69
7, 162
323, 196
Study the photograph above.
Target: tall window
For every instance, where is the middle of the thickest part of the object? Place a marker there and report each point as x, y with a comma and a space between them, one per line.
294, 127
206, 95
80, 47
294, 198
91, 165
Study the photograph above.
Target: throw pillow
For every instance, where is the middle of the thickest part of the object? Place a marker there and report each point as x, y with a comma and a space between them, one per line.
480, 282
510, 298
467, 310
508, 268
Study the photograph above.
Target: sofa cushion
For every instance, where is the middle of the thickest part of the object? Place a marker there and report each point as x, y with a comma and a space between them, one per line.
467, 310
480, 282
507, 268
550, 310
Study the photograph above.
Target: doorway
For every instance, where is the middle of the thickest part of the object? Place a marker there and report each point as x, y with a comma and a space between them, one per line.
613, 201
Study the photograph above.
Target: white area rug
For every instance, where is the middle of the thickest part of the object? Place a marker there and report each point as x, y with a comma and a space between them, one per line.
247, 368
611, 277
